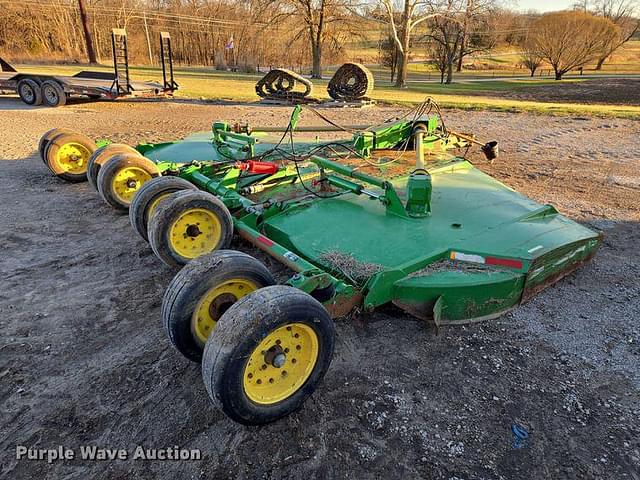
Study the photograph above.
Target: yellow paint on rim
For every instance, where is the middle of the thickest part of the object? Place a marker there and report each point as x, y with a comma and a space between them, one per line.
268, 379
154, 203
127, 181
214, 303
72, 158
195, 232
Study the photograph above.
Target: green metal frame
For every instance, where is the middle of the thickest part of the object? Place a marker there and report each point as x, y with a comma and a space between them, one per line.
495, 247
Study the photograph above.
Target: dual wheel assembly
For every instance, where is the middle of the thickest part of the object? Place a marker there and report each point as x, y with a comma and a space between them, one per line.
263, 347
116, 171
47, 92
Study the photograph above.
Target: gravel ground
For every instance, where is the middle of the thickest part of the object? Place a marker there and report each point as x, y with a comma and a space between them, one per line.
84, 360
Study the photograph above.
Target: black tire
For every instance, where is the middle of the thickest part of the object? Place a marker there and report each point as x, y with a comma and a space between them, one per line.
46, 138
67, 156
225, 274
240, 335
147, 198
173, 213
102, 156
29, 91
53, 94
119, 193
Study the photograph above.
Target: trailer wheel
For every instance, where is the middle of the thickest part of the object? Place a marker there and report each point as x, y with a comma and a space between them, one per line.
149, 196
53, 94
122, 176
29, 91
203, 291
67, 155
189, 224
102, 156
46, 139
267, 354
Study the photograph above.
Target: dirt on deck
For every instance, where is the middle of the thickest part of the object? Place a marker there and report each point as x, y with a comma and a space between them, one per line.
84, 359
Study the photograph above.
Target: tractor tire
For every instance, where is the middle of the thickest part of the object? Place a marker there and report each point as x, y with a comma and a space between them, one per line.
67, 156
188, 224
149, 196
29, 92
122, 176
53, 94
203, 291
46, 139
102, 156
267, 354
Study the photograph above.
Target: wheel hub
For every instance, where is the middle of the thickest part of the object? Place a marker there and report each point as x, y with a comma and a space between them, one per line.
72, 157
192, 230
281, 363
275, 356
195, 232
221, 304
127, 181
215, 303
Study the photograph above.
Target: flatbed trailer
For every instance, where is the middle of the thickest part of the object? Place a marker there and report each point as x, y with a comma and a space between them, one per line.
54, 90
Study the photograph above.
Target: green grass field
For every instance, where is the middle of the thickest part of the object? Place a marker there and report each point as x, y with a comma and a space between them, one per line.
208, 84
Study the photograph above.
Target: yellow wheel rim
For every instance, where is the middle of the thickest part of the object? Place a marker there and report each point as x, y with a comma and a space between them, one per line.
195, 232
153, 205
127, 181
214, 303
281, 364
73, 157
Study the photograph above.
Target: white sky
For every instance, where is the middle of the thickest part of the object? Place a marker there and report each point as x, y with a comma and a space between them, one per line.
543, 5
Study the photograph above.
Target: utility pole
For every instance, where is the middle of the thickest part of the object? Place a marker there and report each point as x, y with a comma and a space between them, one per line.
91, 53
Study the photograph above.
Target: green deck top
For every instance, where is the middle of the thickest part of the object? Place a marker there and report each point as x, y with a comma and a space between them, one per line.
471, 213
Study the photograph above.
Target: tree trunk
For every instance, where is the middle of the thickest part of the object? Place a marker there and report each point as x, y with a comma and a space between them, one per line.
401, 75
459, 66
91, 53
403, 62
600, 63
449, 72
533, 71
403, 57
316, 53
558, 75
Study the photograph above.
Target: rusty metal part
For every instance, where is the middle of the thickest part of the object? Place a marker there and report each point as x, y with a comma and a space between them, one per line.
352, 81
281, 84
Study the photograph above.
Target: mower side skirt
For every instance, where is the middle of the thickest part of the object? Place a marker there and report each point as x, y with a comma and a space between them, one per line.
465, 296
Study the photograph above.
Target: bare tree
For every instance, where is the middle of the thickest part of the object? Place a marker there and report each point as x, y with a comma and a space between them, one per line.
453, 35
567, 40
318, 17
402, 17
620, 12
531, 58
388, 55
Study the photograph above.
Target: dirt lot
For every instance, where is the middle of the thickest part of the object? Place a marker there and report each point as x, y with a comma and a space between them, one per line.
615, 91
84, 360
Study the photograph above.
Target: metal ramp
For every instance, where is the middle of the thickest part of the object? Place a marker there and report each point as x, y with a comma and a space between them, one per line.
166, 60
121, 83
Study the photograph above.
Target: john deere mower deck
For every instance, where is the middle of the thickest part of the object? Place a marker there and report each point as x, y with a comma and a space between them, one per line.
386, 215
